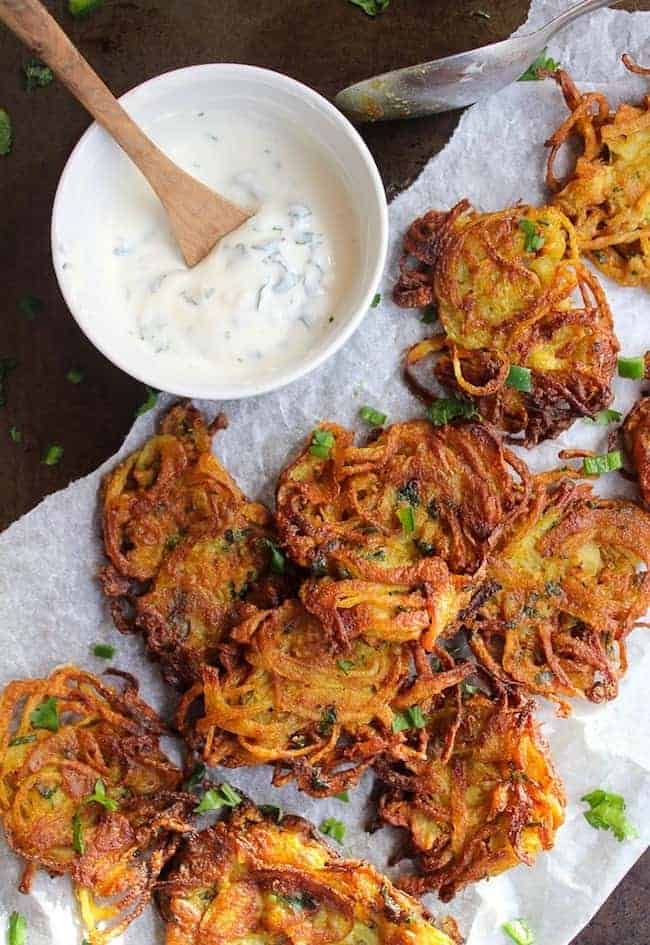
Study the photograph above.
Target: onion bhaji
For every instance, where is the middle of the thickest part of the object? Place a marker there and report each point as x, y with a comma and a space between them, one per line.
475, 789
285, 697
253, 878
190, 556
85, 790
527, 331
636, 436
607, 194
564, 586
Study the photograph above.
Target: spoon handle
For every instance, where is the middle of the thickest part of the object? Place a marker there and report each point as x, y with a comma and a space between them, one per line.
585, 6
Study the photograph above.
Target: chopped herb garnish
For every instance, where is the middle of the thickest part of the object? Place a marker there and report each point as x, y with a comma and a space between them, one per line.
7, 365
631, 368
607, 812
216, 798
52, 454
553, 588
468, 688
99, 796
22, 740
150, 402
410, 718
345, 666
37, 75
31, 307
78, 843
603, 417
46, 715
519, 378
407, 519
543, 63
277, 562
15, 435
75, 376
327, 720
409, 492
104, 651
376, 300
273, 811
83, 7
519, 931
445, 409
6, 132
17, 931
196, 777
533, 239
343, 796
374, 417
371, 7
322, 442
333, 828
606, 462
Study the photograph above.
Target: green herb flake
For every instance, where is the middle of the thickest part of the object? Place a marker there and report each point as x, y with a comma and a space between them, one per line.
631, 368
52, 454
520, 378
604, 463
376, 300
322, 442
533, 239
345, 666
607, 812
17, 930
343, 796
468, 688
75, 376
46, 715
374, 417
407, 519
327, 720
7, 365
371, 7
99, 796
104, 651
83, 7
150, 402
445, 409
216, 798
37, 75
273, 811
196, 777
519, 931
410, 718
16, 435
543, 63
333, 828
277, 562
603, 417
22, 740
31, 306
78, 843
6, 133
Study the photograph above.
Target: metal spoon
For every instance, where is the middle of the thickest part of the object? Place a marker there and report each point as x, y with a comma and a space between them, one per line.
454, 81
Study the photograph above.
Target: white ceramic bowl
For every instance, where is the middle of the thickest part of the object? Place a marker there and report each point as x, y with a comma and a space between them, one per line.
90, 177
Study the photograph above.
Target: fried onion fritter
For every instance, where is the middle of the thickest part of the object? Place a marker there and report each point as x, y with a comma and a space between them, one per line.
394, 510
607, 195
287, 698
85, 790
511, 292
252, 879
190, 555
636, 436
564, 586
475, 789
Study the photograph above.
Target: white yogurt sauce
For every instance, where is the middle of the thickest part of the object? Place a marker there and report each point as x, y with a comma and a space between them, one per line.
268, 292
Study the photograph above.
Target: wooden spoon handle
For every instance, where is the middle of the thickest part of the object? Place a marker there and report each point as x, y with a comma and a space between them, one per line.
31, 22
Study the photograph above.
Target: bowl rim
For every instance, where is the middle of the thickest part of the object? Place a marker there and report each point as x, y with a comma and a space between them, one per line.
306, 364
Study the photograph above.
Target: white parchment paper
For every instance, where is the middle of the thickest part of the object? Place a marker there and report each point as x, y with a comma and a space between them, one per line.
51, 610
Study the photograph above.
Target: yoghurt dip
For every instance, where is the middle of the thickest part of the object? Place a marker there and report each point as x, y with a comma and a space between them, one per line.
268, 292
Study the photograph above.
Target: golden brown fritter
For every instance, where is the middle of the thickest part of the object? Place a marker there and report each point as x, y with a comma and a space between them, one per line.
474, 788
190, 555
286, 698
527, 331
254, 880
86, 790
565, 584
636, 436
607, 194
393, 511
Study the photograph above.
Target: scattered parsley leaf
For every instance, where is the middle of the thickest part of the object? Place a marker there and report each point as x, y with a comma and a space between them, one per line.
468, 688
52, 454
533, 239
104, 651
410, 718
543, 63
83, 7
150, 402
196, 777
603, 417
99, 796
17, 931
430, 315
345, 666
333, 828
277, 563
327, 720
78, 844
46, 715
343, 796
607, 812
7, 365
216, 798
6, 133
37, 75
322, 442
520, 378
371, 7
16, 435
376, 300
374, 417
519, 931
31, 306
75, 376
445, 409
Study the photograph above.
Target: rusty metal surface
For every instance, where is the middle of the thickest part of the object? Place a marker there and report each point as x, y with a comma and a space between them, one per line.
327, 45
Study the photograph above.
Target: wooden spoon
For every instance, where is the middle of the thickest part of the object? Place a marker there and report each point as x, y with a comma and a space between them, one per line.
198, 216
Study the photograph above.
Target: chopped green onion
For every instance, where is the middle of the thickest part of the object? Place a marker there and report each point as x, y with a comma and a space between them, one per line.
543, 63
430, 315
150, 402
406, 517
333, 828
343, 796
410, 718
215, 799
83, 7
52, 454
376, 300
519, 378
445, 409
37, 75
104, 651
196, 777
374, 417
607, 812
606, 462
631, 368
322, 442
22, 740
78, 844
17, 932
277, 563
603, 417
371, 7
273, 811
468, 688
99, 796
75, 376
519, 931
15, 435
533, 239
327, 720
345, 666
46, 715
6, 133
